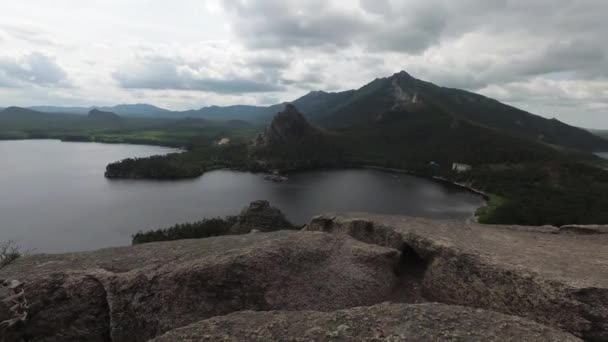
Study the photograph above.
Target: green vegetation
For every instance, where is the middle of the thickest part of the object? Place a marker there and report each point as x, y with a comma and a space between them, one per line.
197, 230
539, 171
549, 192
190, 164
19, 123
486, 213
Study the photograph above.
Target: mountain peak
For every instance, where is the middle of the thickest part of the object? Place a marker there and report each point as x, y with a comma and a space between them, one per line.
286, 126
402, 75
97, 114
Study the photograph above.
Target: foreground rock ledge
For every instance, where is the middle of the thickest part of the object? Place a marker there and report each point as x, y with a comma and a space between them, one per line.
554, 279
383, 322
137, 293
338, 263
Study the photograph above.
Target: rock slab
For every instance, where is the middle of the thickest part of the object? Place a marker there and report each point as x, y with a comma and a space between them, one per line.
383, 322
554, 279
136, 293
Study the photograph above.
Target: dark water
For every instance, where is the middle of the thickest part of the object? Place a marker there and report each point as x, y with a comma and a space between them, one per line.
54, 198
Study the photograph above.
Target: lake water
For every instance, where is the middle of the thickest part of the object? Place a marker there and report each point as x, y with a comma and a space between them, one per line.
54, 197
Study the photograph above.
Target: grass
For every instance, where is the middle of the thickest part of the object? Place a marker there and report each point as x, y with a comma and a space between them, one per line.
486, 213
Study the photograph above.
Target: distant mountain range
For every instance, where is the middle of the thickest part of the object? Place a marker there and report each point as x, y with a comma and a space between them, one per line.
134, 110
399, 98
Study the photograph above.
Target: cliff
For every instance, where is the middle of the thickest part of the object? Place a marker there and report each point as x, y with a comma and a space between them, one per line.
288, 126
344, 277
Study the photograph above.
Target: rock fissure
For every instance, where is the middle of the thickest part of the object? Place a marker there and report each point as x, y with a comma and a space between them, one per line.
460, 267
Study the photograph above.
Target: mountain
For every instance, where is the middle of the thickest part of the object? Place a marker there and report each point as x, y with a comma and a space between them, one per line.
398, 99
403, 97
138, 110
600, 133
103, 116
61, 110
319, 104
237, 112
287, 127
131, 110
25, 115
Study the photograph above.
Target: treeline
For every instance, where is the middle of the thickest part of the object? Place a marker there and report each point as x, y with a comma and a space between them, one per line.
189, 164
196, 230
551, 192
154, 167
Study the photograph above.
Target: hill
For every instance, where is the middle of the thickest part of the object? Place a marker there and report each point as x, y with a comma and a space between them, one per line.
600, 133
96, 114
102, 117
397, 98
402, 97
530, 181
131, 110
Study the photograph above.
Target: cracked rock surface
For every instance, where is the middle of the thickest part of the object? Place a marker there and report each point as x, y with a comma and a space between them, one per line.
136, 293
325, 283
382, 322
554, 279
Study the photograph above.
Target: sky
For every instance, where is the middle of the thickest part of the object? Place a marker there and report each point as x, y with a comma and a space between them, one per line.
549, 57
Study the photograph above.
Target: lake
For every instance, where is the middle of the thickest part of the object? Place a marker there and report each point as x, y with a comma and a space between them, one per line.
54, 197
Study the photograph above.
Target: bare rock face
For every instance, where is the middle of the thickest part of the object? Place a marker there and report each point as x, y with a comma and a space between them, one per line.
137, 293
584, 229
317, 279
554, 279
286, 127
383, 322
260, 216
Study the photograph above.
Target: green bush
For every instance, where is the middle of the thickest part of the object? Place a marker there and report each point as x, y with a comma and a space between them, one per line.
196, 230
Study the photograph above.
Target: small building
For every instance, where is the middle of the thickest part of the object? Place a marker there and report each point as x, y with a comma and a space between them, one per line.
224, 141
458, 167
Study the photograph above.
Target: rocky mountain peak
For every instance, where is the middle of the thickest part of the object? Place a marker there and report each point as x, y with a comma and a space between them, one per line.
402, 75
288, 125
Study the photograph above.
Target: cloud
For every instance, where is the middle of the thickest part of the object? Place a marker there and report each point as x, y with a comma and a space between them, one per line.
285, 24
31, 69
282, 24
162, 73
546, 56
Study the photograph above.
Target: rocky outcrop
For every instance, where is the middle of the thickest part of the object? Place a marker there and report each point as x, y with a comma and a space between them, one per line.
136, 293
260, 216
384, 322
294, 282
288, 126
584, 229
554, 279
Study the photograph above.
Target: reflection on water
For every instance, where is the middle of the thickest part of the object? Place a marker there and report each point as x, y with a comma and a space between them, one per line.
54, 197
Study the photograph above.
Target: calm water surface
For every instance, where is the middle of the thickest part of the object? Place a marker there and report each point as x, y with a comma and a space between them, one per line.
54, 198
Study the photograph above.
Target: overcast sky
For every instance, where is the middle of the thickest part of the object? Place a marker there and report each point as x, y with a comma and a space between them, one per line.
549, 57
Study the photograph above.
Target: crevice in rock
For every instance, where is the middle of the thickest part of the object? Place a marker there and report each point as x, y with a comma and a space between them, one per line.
107, 335
430, 271
410, 273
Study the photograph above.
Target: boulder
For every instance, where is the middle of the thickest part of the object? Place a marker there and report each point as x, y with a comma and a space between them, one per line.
383, 322
136, 293
553, 279
260, 216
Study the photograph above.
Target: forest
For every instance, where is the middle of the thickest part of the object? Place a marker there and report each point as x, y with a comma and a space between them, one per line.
529, 183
